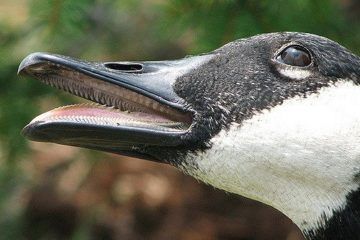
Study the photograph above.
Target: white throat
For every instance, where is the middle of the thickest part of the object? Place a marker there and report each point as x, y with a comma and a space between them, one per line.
299, 157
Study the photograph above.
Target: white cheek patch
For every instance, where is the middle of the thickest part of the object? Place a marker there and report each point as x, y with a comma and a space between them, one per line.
299, 157
294, 72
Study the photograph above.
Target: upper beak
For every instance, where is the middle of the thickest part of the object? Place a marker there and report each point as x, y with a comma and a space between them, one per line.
144, 88
153, 79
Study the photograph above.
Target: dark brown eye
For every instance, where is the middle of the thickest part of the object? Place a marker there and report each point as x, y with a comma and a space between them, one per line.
294, 56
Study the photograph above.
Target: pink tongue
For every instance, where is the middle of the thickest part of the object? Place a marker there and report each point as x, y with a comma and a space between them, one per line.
96, 111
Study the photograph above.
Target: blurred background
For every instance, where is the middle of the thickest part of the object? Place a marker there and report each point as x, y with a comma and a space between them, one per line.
49, 191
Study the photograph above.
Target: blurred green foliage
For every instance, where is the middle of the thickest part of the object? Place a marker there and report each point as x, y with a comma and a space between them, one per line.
127, 29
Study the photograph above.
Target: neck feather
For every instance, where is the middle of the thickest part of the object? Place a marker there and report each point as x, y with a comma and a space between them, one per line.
343, 225
301, 157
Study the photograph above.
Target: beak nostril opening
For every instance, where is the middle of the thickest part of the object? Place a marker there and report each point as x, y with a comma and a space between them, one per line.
125, 67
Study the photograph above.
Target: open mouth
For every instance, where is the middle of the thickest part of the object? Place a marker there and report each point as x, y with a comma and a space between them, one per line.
133, 104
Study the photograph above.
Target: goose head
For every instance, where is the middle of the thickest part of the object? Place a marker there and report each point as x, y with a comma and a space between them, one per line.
274, 118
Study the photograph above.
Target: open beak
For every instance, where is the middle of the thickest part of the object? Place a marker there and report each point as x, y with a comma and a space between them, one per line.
134, 103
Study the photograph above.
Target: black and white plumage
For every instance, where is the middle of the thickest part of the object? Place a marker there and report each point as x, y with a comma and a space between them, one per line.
274, 117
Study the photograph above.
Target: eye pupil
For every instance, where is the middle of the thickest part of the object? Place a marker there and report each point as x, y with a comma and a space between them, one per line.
295, 56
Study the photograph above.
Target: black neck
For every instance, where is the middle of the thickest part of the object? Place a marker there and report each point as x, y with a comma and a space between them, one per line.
343, 225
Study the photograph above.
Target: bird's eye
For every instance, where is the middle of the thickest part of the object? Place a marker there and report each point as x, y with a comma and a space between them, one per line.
294, 56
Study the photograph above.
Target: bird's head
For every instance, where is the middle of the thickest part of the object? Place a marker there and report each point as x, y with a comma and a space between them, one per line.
270, 117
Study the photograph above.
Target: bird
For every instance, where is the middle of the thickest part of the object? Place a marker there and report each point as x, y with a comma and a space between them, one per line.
274, 117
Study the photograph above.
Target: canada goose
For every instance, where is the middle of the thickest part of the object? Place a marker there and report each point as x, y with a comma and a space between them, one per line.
274, 117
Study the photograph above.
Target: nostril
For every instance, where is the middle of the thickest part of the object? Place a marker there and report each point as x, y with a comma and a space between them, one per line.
126, 67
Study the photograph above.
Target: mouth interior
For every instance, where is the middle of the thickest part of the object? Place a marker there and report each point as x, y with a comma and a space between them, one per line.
111, 104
